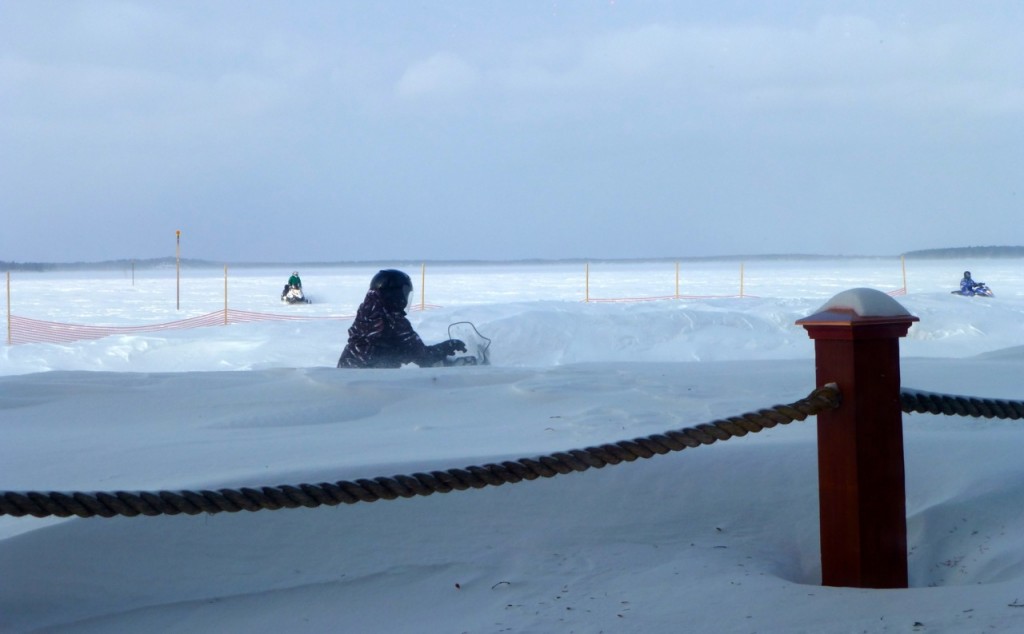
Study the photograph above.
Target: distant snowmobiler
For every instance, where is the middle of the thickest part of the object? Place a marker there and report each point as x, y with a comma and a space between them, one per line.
970, 288
292, 293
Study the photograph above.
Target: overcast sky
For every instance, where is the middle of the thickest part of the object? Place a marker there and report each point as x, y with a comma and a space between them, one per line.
343, 130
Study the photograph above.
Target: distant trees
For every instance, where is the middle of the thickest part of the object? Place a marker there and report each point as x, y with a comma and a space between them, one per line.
92, 266
968, 252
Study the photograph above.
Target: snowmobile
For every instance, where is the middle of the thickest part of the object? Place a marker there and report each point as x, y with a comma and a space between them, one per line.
980, 290
478, 347
293, 295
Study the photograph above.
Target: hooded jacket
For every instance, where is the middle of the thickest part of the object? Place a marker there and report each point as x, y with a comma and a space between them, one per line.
382, 337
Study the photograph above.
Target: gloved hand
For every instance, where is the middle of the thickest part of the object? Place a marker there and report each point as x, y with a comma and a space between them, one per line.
452, 346
437, 353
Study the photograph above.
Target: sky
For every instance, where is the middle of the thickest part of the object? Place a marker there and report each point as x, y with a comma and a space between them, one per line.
327, 131
722, 538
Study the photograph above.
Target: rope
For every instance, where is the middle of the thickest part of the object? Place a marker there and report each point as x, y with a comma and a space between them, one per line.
930, 403
110, 504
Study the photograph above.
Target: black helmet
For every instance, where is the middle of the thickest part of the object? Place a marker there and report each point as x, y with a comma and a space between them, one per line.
394, 287
967, 273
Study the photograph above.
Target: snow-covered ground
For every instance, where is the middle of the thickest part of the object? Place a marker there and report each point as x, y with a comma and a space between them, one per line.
715, 539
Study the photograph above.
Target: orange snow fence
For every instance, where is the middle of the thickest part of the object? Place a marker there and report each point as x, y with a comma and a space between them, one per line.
28, 330
662, 298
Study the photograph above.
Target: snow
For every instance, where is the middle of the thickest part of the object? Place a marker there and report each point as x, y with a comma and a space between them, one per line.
720, 538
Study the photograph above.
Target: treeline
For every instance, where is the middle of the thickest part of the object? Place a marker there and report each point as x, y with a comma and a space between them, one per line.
114, 265
968, 252
170, 262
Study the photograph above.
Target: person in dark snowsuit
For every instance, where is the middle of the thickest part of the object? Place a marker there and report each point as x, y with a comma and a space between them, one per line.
381, 335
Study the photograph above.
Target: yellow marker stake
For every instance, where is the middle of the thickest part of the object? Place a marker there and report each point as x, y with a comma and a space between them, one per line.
587, 289
177, 268
10, 341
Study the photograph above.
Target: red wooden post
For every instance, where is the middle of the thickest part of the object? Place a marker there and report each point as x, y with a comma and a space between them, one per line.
861, 486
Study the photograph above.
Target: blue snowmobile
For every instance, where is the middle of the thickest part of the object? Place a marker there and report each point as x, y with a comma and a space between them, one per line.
970, 288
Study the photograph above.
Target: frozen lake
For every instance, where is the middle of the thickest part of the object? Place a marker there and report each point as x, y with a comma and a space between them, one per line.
718, 538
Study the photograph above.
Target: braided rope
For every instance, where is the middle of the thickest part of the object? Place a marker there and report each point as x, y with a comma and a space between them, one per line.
930, 403
110, 504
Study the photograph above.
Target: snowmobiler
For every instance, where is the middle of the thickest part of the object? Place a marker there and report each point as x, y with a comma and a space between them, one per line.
292, 292
970, 288
381, 335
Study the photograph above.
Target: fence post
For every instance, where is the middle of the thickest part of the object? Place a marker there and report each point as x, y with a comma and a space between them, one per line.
586, 284
677, 280
177, 269
861, 486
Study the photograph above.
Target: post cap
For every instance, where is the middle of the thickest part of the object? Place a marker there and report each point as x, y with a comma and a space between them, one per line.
859, 306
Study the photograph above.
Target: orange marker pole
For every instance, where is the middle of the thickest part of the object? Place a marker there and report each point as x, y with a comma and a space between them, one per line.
177, 267
586, 289
903, 263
